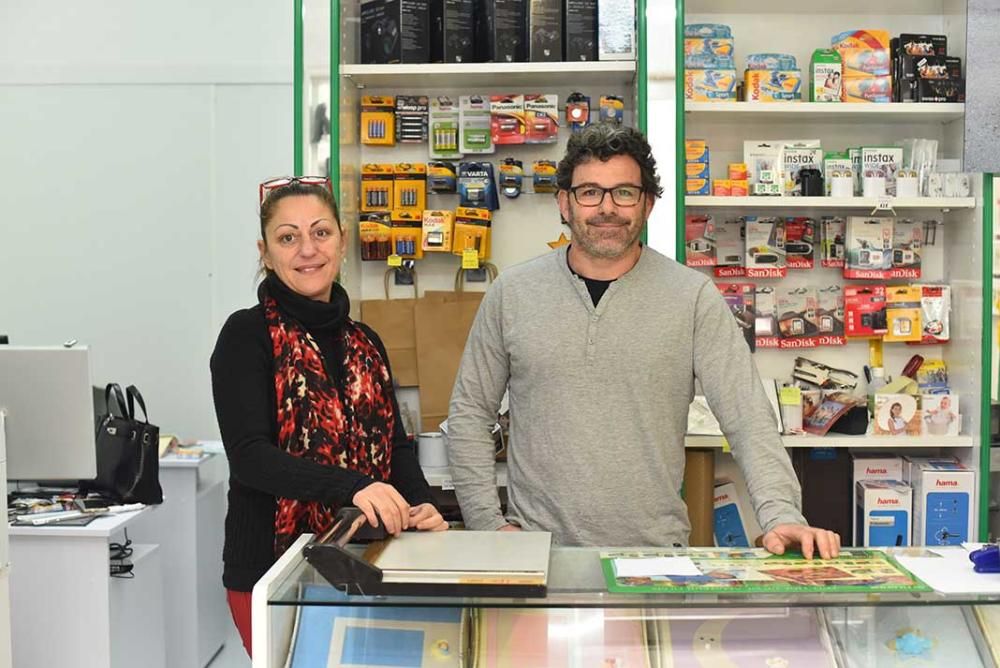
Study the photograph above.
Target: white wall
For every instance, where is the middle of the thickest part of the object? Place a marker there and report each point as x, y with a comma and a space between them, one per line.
132, 139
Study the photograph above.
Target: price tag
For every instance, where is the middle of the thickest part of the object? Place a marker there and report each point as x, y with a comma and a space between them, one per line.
470, 258
395, 260
884, 203
790, 396
447, 484
725, 445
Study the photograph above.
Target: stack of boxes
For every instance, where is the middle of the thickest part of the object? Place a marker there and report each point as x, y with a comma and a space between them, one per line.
709, 68
772, 77
867, 64
912, 501
698, 175
923, 71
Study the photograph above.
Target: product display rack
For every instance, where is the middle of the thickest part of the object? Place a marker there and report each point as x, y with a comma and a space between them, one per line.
522, 227
962, 257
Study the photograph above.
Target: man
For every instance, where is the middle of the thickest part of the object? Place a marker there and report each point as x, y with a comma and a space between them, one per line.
600, 343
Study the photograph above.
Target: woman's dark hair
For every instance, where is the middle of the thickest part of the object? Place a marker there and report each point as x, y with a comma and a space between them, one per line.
604, 141
292, 190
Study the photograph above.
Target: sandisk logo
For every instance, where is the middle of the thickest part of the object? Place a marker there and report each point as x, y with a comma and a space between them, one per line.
871, 471
879, 501
945, 483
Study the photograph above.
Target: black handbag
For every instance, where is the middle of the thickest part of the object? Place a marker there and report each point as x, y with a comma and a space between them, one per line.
128, 465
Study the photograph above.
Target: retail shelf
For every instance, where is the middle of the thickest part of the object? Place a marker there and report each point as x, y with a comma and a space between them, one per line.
478, 75
796, 7
440, 476
841, 441
823, 112
869, 203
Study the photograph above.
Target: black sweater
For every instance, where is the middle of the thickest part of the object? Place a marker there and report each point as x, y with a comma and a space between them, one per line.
243, 388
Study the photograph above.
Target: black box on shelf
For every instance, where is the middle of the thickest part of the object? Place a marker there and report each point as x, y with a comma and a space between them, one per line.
545, 30
453, 23
940, 90
395, 31
500, 31
580, 19
916, 44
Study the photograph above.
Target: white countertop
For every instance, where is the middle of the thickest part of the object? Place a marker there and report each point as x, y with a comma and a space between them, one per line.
440, 476
176, 462
102, 527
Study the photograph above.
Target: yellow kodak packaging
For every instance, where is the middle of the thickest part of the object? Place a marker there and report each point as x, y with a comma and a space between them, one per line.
772, 85
696, 170
696, 150
697, 187
902, 313
378, 120
739, 187
472, 230
709, 85
437, 230
376, 187
375, 235
722, 187
407, 228
410, 186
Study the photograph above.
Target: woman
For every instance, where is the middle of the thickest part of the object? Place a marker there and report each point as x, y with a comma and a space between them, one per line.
305, 402
897, 425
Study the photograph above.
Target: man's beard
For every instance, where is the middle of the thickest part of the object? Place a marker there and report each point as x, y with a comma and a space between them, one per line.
606, 243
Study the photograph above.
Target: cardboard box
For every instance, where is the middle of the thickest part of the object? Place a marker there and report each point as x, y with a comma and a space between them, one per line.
616, 29
696, 150
873, 466
395, 31
868, 89
796, 156
896, 415
826, 75
944, 493
452, 30
920, 44
580, 19
941, 415
545, 30
938, 90
709, 85
729, 526
884, 513
500, 28
772, 85
883, 161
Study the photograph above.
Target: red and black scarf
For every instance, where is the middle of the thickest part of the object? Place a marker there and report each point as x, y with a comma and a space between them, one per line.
349, 425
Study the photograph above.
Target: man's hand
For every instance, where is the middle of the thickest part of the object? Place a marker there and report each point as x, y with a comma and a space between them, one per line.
426, 517
807, 539
509, 527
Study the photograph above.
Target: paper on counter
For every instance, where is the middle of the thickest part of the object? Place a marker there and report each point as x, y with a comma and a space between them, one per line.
952, 574
637, 568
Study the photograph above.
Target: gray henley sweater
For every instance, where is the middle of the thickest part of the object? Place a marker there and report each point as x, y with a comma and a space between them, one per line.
599, 401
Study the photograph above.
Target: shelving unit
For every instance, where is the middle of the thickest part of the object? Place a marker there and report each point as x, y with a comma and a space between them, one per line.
841, 203
473, 75
959, 256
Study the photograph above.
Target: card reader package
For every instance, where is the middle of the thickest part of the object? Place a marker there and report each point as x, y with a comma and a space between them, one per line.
944, 499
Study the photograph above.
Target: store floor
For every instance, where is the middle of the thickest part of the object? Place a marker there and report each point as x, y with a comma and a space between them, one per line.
232, 655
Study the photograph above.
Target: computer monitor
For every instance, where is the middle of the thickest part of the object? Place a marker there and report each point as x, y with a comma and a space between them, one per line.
48, 406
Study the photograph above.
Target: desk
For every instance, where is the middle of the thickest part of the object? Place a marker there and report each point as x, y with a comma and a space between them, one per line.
188, 526
67, 609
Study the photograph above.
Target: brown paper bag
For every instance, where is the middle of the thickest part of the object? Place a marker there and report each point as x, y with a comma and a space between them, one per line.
392, 320
442, 321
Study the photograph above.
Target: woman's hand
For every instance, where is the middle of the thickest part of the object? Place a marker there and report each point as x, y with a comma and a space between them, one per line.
426, 517
382, 500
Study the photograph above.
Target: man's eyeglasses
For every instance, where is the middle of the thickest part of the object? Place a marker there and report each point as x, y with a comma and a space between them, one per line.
271, 185
591, 195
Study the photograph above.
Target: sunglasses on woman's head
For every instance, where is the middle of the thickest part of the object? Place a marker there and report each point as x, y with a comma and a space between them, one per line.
267, 187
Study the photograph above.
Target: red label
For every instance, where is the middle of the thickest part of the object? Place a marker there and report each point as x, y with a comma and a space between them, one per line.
946, 483
699, 261
902, 272
768, 272
724, 497
833, 263
803, 342
886, 502
799, 262
874, 274
730, 272
876, 471
768, 342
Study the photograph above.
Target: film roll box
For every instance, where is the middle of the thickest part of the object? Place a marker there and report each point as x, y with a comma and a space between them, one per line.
452, 29
500, 28
395, 31
580, 41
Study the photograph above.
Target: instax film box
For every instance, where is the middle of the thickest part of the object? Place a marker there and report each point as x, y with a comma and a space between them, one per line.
871, 466
616, 29
885, 511
581, 30
395, 31
943, 494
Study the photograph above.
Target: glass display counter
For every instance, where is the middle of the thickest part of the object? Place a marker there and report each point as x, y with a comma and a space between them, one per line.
300, 620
